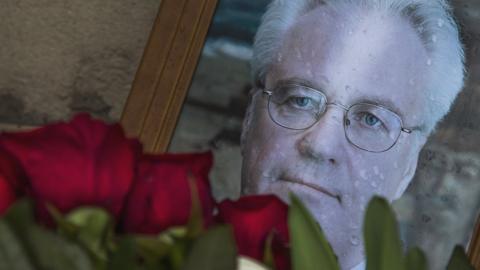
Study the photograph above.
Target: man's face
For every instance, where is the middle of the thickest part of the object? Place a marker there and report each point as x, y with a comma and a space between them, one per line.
375, 59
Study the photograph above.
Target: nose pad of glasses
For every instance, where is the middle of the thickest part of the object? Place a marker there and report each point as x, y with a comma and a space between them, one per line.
347, 122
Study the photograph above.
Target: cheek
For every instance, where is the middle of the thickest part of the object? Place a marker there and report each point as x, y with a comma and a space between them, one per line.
266, 144
265, 136
378, 174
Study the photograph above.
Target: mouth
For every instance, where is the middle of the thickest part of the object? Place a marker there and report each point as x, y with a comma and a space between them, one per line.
312, 186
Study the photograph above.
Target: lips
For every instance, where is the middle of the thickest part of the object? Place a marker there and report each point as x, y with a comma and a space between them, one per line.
311, 186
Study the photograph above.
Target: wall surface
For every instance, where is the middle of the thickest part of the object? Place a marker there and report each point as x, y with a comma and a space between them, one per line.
60, 57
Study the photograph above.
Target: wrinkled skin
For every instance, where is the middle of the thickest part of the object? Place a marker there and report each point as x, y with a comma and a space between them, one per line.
364, 57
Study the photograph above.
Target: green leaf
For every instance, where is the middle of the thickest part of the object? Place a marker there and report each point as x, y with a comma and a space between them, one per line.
195, 223
415, 260
53, 252
45, 249
152, 249
214, 250
268, 258
94, 229
459, 260
124, 257
64, 227
20, 214
309, 248
382, 243
13, 255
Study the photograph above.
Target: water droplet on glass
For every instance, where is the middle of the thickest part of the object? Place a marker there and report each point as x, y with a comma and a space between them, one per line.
363, 174
426, 218
382, 176
395, 165
374, 184
347, 88
420, 29
350, 32
279, 57
434, 38
440, 22
354, 240
354, 225
429, 62
411, 82
347, 201
268, 177
298, 53
376, 170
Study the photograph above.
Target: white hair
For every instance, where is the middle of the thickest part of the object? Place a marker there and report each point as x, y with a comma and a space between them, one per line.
432, 20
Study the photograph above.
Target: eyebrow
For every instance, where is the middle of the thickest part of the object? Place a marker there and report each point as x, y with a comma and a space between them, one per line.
300, 81
387, 103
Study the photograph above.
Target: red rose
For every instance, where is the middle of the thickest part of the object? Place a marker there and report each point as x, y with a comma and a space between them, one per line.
161, 196
84, 162
253, 219
11, 181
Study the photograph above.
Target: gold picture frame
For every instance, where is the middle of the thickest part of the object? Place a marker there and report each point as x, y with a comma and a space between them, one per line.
165, 72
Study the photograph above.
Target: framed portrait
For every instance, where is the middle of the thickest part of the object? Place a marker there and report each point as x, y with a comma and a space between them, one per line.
440, 206
178, 75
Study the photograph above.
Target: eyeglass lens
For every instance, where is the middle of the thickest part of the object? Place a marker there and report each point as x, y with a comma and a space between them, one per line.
368, 126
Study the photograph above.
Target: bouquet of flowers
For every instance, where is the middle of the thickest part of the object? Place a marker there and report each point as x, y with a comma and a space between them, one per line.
82, 196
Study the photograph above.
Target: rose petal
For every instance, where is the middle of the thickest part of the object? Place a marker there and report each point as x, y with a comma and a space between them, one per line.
161, 196
253, 219
83, 162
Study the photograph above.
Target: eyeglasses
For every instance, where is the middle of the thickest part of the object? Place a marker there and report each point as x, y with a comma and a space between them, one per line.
370, 127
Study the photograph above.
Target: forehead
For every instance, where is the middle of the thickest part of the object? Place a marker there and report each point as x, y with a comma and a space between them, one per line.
356, 56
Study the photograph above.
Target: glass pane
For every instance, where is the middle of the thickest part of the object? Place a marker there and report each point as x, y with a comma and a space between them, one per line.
62, 57
213, 111
440, 205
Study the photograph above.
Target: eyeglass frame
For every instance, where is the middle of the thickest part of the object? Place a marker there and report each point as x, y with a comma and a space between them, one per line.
269, 93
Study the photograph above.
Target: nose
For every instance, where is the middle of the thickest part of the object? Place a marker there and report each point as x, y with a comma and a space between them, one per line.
325, 141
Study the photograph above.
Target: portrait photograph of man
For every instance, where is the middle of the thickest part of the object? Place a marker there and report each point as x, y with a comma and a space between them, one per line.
343, 96
334, 101
346, 95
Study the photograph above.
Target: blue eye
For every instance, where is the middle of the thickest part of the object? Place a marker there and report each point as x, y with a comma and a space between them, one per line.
301, 101
371, 120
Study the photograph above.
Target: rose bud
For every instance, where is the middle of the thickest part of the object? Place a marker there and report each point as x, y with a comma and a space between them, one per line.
81, 163
254, 219
162, 198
